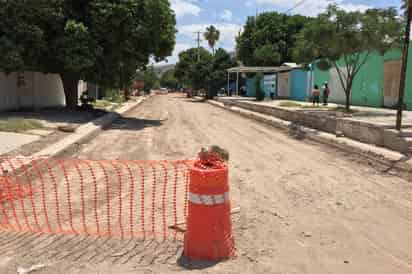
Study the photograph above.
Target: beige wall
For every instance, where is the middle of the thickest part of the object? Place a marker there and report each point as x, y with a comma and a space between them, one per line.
391, 81
40, 90
284, 84
337, 94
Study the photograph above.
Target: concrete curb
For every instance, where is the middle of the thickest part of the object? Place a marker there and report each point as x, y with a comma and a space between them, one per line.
85, 131
391, 159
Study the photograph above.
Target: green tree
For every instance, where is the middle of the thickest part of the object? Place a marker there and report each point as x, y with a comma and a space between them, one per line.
104, 41
268, 39
189, 71
267, 55
212, 35
151, 81
344, 40
209, 73
169, 80
222, 60
260, 94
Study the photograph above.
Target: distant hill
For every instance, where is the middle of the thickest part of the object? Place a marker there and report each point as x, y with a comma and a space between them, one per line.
162, 69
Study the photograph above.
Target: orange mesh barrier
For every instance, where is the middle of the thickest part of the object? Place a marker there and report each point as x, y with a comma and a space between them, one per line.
119, 199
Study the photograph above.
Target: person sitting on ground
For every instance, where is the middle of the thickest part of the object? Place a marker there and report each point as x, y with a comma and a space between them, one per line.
315, 95
85, 101
326, 93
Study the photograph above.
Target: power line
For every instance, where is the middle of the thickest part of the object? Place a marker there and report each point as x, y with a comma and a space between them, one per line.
296, 5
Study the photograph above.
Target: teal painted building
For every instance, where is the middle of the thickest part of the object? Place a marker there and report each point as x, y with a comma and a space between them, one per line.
251, 87
299, 84
376, 84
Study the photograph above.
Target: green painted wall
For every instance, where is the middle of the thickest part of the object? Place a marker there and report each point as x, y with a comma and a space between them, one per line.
367, 88
320, 77
408, 90
394, 54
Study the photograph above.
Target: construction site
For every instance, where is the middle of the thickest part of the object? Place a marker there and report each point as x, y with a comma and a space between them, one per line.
296, 206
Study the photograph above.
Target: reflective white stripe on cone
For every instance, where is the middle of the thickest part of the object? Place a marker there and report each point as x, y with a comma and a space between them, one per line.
210, 200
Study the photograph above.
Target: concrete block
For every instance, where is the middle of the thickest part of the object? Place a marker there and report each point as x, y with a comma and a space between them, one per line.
393, 141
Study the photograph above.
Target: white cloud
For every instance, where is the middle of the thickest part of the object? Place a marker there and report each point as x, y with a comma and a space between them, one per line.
185, 7
226, 15
312, 8
354, 7
228, 32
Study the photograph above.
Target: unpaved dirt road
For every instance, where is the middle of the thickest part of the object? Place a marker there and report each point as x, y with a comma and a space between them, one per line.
305, 207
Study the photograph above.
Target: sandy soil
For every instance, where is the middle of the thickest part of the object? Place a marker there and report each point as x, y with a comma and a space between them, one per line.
305, 207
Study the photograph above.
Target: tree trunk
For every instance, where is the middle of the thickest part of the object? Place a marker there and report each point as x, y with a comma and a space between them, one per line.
347, 93
70, 86
405, 54
348, 90
127, 94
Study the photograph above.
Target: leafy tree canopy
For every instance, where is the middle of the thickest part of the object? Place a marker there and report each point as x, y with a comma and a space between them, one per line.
98, 40
268, 39
169, 80
207, 73
186, 71
151, 81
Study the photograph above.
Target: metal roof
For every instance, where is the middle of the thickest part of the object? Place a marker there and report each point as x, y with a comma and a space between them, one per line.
292, 65
259, 69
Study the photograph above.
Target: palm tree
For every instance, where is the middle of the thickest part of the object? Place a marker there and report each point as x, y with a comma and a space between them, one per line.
407, 6
212, 35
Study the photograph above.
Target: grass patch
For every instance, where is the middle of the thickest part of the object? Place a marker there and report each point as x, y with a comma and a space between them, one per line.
102, 104
288, 104
19, 124
317, 107
109, 103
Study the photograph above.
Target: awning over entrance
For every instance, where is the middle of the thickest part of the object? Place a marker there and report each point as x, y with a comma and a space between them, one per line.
243, 69
259, 69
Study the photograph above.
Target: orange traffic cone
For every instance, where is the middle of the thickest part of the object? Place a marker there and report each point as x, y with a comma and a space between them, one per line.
209, 225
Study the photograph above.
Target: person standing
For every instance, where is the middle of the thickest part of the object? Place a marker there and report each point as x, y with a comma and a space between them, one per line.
272, 92
315, 95
326, 93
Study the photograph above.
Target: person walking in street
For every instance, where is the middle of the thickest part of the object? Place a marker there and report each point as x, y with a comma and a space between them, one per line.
326, 93
272, 92
315, 95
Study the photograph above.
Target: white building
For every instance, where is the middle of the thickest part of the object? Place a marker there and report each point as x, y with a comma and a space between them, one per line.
32, 90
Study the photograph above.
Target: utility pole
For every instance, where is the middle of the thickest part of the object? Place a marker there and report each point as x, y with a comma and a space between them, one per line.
405, 54
198, 45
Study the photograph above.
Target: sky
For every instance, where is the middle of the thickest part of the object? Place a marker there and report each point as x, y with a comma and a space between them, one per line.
230, 15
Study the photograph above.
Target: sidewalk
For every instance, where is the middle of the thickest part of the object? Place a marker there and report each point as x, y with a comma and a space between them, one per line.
365, 124
394, 161
48, 140
378, 116
10, 141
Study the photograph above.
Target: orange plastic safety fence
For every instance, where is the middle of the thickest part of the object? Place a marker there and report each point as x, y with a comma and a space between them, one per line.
120, 199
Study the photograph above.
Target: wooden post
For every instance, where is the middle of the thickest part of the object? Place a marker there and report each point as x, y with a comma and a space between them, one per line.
228, 83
